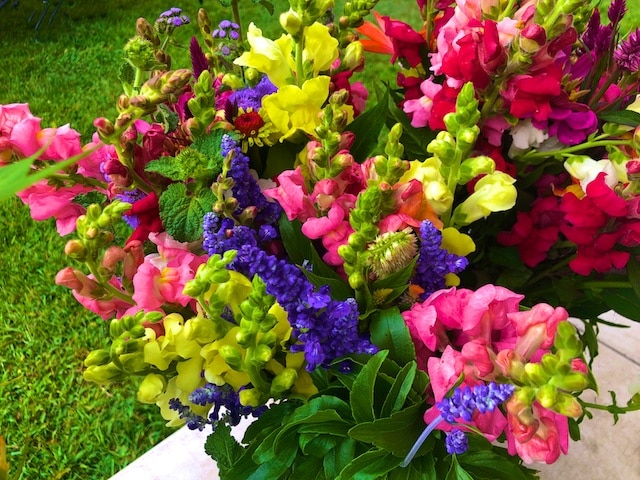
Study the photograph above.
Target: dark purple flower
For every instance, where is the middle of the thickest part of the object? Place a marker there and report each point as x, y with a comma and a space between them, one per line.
573, 125
627, 53
198, 58
616, 11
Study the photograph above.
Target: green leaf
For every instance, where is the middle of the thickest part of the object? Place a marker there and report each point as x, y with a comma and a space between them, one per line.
168, 167
280, 157
181, 211
420, 468
89, 198
316, 445
489, 464
390, 332
273, 417
223, 448
367, 128
622, 117
362, 395
16, 176
339, 457
371, 465
633, 272
414, 140
396, 433
399, 390
456, 472
275, 461
623, 301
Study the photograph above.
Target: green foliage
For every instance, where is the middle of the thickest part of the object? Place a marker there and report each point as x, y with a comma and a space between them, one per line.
181, 211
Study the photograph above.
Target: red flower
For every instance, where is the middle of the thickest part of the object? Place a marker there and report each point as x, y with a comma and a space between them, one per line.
148, 212
444, 102
529, 96
407, 43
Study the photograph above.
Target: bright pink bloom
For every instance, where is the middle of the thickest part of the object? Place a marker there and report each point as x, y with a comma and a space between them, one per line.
547, 436
163, 276
28, 137
10, 115
46, 201
292, 195
428, 335
536, 328
112, 308
419, 109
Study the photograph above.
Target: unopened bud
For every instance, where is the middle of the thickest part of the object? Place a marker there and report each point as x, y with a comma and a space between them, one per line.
532, 38
97, 357
75, 249
283, 381
291, 22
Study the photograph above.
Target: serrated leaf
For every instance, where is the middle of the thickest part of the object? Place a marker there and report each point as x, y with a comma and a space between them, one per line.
223, 448
362, 395
367, 128
396, 433
181, 211
390, 332
622, 117
168, 167
89, 198
371, 465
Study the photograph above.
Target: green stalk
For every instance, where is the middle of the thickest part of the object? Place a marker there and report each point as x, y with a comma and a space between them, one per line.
107, 286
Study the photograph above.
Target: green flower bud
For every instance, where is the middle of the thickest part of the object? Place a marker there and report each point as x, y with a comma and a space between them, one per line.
536, 374
76, 250
283, 381
245, 338
567, 405
353, 55
232, 356
250, 397
467, 137
547, 395
268, 338
572, 382
268, 322
443, 146
97, 357
260, 355
151, 387
472, 167
139, 52
291, 22
103, 374
116, 328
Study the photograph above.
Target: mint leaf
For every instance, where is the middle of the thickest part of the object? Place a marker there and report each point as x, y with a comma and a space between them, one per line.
362, 394
181, 211
168, 167
89, 198
223, 448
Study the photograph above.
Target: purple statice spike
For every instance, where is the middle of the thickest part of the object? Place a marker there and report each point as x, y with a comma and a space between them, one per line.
456, 442
627, 53
434, 262
464, 402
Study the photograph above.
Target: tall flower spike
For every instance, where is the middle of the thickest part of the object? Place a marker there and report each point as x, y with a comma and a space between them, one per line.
462, 404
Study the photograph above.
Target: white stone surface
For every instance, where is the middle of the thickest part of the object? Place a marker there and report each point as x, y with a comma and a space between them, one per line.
606, 452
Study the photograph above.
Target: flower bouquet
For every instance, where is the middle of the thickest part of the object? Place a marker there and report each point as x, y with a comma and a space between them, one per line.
385, 286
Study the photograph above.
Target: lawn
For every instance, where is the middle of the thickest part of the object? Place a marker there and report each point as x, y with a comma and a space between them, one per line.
56, 425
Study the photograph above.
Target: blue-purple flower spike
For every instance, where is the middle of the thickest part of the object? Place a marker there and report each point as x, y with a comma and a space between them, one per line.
462, 404
434, 262
456, 442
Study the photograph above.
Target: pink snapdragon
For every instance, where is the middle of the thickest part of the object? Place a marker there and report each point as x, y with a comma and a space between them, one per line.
10, 116
162, 276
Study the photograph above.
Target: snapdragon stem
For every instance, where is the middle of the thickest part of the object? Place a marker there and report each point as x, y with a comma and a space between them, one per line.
137, 179
597, 142
107, 286
421, 439
78, 180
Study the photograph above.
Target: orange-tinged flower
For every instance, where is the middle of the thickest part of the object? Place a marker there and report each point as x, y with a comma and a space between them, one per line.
377, 41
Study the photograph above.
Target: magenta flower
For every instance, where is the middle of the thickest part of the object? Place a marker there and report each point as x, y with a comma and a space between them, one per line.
627, 53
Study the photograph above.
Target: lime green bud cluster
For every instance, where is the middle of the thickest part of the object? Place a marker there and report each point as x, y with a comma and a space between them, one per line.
326, 159
353, 17
125, 357
554, 382
392, 252
202, 105
555, 16
376, 202
226, 203
94, 231
308, 11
